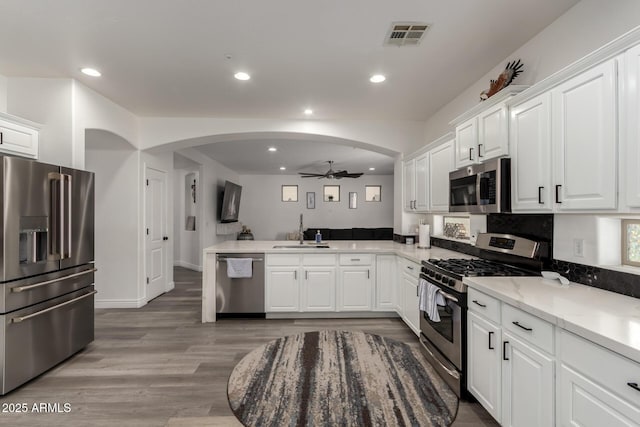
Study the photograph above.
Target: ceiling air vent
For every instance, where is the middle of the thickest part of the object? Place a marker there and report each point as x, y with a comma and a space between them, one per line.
406, 33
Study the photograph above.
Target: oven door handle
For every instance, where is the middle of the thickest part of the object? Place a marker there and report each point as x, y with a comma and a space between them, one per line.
444, 294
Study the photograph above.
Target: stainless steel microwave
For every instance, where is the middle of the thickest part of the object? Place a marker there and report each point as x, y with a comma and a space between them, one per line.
481, 188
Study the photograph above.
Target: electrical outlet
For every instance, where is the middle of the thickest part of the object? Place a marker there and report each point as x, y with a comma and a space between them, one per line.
578, 247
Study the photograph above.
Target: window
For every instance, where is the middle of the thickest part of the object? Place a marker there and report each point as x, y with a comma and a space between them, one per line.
331, 193
631, 242
289, 193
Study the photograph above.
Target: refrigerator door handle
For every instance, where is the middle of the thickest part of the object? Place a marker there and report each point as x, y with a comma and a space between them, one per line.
66, 215
55, 223
46, 310
48, 282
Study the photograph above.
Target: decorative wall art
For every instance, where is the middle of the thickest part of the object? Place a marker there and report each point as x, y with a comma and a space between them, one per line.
311, 200
353, 200
372, 193
511, 71
331, 193
289, 193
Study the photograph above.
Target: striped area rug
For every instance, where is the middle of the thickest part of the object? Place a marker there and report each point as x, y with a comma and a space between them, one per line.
338, 378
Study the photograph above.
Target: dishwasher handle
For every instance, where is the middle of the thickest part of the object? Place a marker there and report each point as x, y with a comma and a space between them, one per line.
224, 259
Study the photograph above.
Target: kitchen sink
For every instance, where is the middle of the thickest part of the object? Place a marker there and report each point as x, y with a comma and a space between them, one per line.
301, 246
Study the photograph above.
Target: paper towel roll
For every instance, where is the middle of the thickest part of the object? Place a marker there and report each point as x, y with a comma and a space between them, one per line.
424, 236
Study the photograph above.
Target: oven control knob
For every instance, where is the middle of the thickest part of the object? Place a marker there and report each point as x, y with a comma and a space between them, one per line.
432, 273
438, 276
452, 283
444, 280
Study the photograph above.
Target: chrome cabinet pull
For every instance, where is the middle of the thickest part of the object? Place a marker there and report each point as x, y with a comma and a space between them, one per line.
46, 310
522, 327
48, 282
634, 386
480, 304
490, 347
409, 267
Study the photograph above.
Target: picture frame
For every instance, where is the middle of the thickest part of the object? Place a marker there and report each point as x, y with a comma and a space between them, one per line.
331, 193
353, 200
372, 193
311, 200
289, 193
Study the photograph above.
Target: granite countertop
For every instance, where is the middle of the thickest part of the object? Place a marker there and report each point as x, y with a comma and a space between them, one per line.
606, 318
411, 252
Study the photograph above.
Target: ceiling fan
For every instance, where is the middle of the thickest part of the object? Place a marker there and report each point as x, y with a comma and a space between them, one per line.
331, 174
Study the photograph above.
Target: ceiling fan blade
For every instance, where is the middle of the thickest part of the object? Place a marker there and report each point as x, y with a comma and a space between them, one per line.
353, 175
309, 175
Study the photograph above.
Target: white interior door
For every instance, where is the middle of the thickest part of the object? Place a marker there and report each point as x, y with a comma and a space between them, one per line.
156, 232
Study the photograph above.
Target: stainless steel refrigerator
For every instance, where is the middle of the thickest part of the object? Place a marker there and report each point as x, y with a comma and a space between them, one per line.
46, 267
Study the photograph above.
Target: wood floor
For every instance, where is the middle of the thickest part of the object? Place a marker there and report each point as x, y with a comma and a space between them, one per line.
159, 366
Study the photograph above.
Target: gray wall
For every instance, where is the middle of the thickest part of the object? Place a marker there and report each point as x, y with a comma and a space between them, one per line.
262, 210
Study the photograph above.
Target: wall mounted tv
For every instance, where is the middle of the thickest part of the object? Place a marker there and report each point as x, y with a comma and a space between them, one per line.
230, 202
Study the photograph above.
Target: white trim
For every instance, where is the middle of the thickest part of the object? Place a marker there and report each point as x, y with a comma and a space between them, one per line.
120, 303
504, 94
170, 286
188, 265
606, 52
431, 145
21, 121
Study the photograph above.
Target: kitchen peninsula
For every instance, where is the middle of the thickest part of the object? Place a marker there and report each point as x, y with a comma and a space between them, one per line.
409, 257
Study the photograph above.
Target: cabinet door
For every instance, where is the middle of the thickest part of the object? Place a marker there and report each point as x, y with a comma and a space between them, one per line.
467, 143
492, 133
409, 184
319, 289
631, 123
441, 162
356, 286
530, 131
411, 310
483, 363
422, 183
283, 290
385, 289
585, 139
18, 139
527, 385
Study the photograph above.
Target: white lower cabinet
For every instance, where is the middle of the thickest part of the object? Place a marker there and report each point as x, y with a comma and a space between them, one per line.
510, 371
385, 289
356, 286
484, 354
282, 289
527, 384
408, 304
595, 386
319, 289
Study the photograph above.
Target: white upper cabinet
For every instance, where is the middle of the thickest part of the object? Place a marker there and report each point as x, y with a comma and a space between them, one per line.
585, 140
530, 134
631, 127
409, 184
18, 136
441, 162
466, 143
493, 137
422, 183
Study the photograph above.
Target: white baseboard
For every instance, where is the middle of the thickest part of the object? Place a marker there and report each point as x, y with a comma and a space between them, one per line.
170, 286
190, 266
119, 303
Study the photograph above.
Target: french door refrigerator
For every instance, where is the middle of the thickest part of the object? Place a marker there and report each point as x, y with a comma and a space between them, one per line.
46, 267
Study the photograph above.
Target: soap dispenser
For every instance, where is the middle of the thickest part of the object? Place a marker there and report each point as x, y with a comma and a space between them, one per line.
318, 237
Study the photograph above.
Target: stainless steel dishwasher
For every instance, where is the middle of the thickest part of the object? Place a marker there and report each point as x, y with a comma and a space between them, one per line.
240, 296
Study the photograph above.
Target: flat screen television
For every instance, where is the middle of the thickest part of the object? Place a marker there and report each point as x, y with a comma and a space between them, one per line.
230, 202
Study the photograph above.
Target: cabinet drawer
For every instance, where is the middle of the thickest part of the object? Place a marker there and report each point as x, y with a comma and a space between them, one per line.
483, 304
408, 267
605, 367
356, 259
531, 328
283, 259
319, 259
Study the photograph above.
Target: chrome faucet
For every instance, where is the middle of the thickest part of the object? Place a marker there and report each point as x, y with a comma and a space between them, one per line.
301, 232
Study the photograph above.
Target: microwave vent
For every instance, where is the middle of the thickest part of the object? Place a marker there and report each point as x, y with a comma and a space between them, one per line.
406, 33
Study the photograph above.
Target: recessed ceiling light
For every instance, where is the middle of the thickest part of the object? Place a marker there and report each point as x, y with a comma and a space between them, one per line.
377, 78
90, 72
308, 111
372, 169
272, 149
282, 168
242, 76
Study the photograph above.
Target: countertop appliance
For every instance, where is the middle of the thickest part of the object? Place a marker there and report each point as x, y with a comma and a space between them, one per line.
481, 188
240, 297
444, 342
46, 267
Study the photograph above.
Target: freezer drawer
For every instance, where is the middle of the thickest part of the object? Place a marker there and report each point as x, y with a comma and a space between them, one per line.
34, 290
39, 337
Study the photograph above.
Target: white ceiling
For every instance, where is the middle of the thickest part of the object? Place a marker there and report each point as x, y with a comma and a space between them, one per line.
170, 57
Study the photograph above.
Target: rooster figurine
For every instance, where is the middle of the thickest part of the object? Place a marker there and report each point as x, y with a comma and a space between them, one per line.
511, 71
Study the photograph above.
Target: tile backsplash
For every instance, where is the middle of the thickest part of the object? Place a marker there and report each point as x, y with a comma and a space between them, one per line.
610, 280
